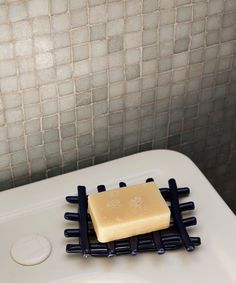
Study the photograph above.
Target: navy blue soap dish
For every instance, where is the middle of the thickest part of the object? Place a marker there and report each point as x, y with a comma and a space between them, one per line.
174, 237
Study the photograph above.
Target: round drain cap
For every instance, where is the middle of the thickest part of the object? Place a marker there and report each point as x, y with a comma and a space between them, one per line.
31, 250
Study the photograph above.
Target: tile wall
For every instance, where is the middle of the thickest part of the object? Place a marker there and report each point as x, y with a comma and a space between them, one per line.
86, 81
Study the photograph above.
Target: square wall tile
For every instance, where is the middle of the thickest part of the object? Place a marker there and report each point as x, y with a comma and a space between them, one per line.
27, 80
22, 30
115, 10
132, 72
24, 47
61, 39
44, 60
99, 79
84, 112
60, 22
5, 33
32, 126
64, 72
133, 7
7, 68
62, 56
132, 40
166, 4
97, 14
12, 100
3, 14
99, 48
184, 14
66, 102
9, 84
150, 21
15, 129
74, 4
115, 44
215, 6
66, 88
32, 111
84, 127
150, 6
36, 8
82, 68
17, 11
50, 122
41, 25
43, 43
34, 139
48, 92
133, 24
26, 64
96, 2
167, 17
14, 115
49, 107
67, 117
80, 35
78, 18
114, 27
59, 6
99, 32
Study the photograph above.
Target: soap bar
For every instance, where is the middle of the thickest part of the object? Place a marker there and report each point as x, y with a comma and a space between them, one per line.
124, 212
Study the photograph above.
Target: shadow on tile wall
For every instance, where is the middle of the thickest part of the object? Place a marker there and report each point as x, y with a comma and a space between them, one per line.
83, 82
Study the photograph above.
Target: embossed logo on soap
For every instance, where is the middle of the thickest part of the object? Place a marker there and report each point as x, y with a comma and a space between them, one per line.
136, 202
113, 203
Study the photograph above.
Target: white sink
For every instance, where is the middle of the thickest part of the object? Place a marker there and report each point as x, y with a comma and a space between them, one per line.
39, 208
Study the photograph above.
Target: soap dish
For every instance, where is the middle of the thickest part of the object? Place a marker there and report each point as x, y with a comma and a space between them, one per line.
174, 237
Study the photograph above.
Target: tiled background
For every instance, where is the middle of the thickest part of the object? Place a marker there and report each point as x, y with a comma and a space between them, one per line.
85, 81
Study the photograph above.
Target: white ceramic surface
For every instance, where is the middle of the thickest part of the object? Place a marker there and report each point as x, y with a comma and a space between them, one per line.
39, 208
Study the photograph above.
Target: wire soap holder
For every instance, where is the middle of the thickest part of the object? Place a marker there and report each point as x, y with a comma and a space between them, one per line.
174, 237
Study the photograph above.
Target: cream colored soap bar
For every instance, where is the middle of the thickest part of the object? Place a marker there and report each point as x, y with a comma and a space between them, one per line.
129, 211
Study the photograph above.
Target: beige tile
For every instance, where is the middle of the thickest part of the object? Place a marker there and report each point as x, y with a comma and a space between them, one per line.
38, 8
23, 47
7, 68
6, 51
81, 68
17, 11
97, 14
3, 14
5, 33
44, 61
43, 43
22, 30
59, 6
60, 22
41, 25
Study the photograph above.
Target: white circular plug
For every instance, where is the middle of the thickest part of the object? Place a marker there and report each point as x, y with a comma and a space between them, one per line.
31, 249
